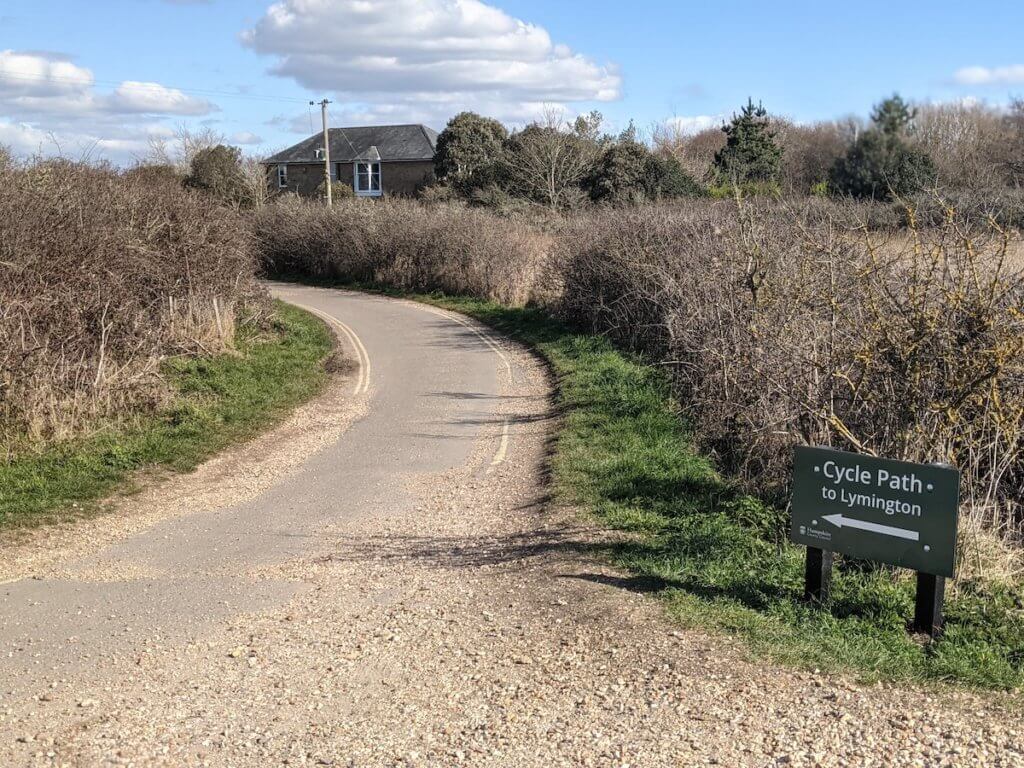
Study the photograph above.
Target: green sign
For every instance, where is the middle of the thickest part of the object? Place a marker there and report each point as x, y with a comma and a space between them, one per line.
876, 509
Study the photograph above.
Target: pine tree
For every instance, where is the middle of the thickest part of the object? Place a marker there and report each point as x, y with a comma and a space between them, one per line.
894, 116
750, 154
881, 163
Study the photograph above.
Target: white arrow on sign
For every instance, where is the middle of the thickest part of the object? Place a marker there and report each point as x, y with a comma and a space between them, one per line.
886, 530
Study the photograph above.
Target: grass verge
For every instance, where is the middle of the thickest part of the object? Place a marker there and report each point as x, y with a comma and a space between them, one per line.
713, 554
218, 401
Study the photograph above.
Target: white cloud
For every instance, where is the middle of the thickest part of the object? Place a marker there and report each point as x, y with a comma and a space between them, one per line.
413, 59
74, 143
49, 102
153, 98
246, 138
1009, 75
40, 74
694, 123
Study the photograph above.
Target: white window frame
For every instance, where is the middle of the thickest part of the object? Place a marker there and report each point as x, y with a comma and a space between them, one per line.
372, 169
282, 176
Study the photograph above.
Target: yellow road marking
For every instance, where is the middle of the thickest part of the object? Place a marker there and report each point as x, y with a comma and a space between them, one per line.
363, 381
499, 457
503, 444
488, 340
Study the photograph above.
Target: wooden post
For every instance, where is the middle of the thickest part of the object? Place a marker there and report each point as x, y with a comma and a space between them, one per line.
818, 575
327, 153
931, 594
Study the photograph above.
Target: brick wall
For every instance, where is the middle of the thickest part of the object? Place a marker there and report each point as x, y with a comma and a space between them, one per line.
397, 179
405, 179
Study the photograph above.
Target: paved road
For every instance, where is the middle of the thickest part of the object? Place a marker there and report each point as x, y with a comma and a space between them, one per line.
430, 382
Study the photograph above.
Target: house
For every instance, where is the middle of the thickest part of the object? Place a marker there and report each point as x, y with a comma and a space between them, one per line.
375, 160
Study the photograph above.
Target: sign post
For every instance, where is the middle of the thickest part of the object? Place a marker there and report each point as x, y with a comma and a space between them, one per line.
887, 511
931, 592
818, 576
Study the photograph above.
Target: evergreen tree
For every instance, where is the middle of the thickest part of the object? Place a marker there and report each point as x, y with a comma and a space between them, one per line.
894, 116
881, 164
619, 175
218, 171
468, 150
666, 179
750, 154
628, 172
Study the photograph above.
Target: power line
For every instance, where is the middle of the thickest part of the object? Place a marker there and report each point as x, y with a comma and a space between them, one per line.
342, 131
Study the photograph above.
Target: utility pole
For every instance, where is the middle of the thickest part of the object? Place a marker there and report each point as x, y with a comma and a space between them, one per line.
327, 152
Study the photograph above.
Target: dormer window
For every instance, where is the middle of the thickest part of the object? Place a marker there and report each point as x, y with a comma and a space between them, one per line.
319, 154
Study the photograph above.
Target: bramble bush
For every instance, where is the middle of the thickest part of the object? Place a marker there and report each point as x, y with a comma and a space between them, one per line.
799, 324
104, 275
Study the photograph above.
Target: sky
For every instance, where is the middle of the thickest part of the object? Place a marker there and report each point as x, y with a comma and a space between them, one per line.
104, 79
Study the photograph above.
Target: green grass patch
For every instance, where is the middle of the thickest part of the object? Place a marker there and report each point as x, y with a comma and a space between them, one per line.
218, 401
714, 554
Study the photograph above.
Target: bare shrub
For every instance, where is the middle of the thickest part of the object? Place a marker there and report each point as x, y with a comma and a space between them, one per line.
405, 244
966, 142
808, 153
695, 152
786, 325
104, 275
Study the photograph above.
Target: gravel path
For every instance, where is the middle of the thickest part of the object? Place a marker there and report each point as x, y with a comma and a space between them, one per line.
460, 621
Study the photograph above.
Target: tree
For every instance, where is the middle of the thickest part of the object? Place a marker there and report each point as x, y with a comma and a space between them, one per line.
6, 158
549, 162
619, 175
666, 179
881, 164
750, 154
468, 150
695, 152
629, 172
218, 171
256, 182
967, 143
893, 116
180, 149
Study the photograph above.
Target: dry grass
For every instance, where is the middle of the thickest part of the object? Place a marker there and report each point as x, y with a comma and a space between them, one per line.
104, 276
1015, 257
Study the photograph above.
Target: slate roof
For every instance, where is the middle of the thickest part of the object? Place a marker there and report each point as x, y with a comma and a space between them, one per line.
394, 142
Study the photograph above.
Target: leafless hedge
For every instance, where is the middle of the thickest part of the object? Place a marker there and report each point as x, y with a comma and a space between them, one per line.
784, 325
405, 244
103, 275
